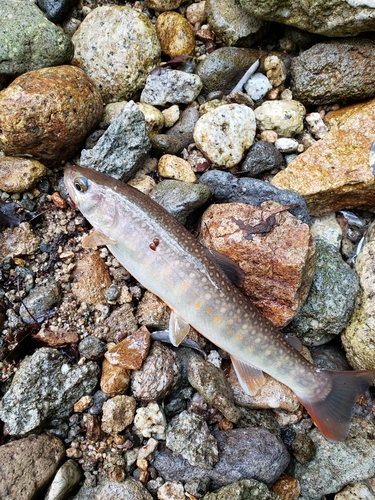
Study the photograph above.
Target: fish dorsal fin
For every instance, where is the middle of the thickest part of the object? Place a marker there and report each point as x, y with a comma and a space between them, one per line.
178, 329
251, 379
96, 239
294, 342
230, 268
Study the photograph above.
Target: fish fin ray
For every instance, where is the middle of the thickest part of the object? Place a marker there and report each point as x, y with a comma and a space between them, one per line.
332, 414
96, 239
178, 329
230, 268
294, 342
250, 378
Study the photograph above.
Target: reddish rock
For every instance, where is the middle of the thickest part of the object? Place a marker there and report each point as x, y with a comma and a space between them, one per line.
287, 488
131, 352
91, 279
114, 380
47, 113
273, 248
57, 339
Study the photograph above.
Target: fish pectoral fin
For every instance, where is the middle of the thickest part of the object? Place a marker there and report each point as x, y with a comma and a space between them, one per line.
295, 342
96, 239
250, 378
230, 268
178, 329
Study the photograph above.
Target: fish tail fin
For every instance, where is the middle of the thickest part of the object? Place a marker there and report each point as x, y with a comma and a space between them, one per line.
332, 413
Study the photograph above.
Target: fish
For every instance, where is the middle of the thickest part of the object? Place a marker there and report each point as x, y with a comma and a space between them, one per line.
170, 262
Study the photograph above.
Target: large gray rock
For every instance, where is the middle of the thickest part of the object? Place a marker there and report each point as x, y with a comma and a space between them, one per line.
325, 17
28, 40
112, 490
44, 390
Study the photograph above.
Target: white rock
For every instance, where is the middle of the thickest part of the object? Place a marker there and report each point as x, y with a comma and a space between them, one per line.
316, 125
66, 478
224, 134
285, 145
285, 117
171, 87
328, 229
171, 115
257, 86
171, 491
150, 421
356, 491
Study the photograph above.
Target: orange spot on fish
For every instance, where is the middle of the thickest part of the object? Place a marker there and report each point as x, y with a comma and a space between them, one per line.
197, 305
185, 286
239, 336
231, 330
209, 310
217, 318
251, 348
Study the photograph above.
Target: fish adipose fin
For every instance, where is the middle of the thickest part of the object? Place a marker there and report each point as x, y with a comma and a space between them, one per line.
178, 329
251, 379
332, 413
96, 239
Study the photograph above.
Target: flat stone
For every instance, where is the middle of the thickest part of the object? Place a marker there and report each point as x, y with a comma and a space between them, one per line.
91, 278
19, 174
170, 86
118, 413
65, 480
131, 352
320, 175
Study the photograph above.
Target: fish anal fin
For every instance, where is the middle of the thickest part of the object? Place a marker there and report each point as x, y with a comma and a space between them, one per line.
250, 378
178, 329
230, 268
332, 413
294, 342
96, 239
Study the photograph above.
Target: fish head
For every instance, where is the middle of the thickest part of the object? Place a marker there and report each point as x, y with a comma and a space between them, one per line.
90, 194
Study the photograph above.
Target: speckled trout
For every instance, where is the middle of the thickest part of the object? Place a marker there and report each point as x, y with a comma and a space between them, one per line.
165, 258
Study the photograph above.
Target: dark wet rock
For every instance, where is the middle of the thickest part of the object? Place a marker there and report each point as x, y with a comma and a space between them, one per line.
98, 399
329, 357
248, 489
184, 127
197, 487
188, 436
113, 490
55, 10
122, 148
56, 386
303, 448
39, 301
227, 188
302, 38
262, 156
169, 144
25, 33
251, 453
180, 199
28, 465
334, 71
213, 386
91, 347
333, 291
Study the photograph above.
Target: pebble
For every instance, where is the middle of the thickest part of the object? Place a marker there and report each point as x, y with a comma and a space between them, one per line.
118, 413
195, 13
173, 167
248, 489
55, 11
170, 86
91, 278
63, 92
123, 147
332, 184
150, 421
285, 117
171, 491
152, 312
65, 480
164, 143
154, 118
25, 33
163, 5
176, 34
184, 127
261, 157
225, 133
275, 70
180, 199
39, 301
269, 136
19, 174
159, 373
129, 488
125, 32
245, 453
119, 323
98, 399
28, 465
171, 114
83, 404
232, 24
347, 68
287, 488
197, 487
257, 86
285, 145
148, 449
56, 384
131, 352
18, 240
328, 229
91, 348
189, 437
213, 386
114, 380
316, 125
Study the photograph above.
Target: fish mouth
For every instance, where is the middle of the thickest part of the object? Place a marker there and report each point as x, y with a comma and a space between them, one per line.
71, 202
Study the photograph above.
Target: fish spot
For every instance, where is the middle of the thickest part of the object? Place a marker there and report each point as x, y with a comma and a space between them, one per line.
207, 296
217, 318
209, 310
230, 330
239, 336
223, 310
197, 305
245, 326
185, 286
257, 340
251, 348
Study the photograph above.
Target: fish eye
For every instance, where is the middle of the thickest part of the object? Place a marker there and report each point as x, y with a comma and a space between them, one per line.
81, 184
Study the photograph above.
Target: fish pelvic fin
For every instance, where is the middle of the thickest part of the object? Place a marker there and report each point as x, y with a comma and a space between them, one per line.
332, 413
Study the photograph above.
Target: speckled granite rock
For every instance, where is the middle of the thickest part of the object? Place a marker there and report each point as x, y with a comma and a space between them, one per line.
19, 174
130, 488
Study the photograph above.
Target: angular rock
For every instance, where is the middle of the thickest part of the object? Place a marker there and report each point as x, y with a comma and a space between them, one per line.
130, 488
273, 248
18, 240
56, 384
114, 379
91, 278
333, 292
28, 465
121, 322
39, 301
335, 172
19, 174
176, 34
118, 413
25, 34
153, 117
150, 421
248, 489
262, 156
285, 117
152, 312
125, 32
170, 86
131, 351
122, 148
55, 10
60, 103
173, 167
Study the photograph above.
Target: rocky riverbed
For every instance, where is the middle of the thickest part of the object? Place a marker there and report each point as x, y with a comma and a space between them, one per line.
275, 171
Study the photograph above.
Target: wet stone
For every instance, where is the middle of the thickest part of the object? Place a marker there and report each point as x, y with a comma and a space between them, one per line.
171, 87
173, 167
285, 117
91, 278
154, 118
19, 174
55, 11
28, 465
18, 240
131, 352
188, 435
168, 144
176, 35
98, 399
39, 301
257, 86
262, 157
287, 488
65, 480
114, 379
91, 348
118, 413
57, 385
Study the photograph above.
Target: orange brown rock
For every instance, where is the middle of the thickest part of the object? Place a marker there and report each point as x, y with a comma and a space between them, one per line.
131, 352
176, 35
59, 338
91, 279
19, 174
114, 380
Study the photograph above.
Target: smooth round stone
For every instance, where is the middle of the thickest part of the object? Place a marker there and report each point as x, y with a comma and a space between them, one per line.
285, 117
60, 103
167, 143
195, 13
285, 145
171, 115
225, 133
122, 53
19, 174
67, 477
257, 86
173, 167
175, 33
163, 5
